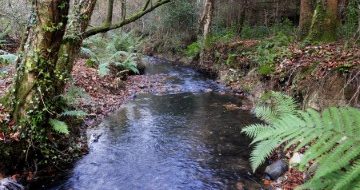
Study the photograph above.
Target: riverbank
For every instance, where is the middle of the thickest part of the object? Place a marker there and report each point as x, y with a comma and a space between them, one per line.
317, 76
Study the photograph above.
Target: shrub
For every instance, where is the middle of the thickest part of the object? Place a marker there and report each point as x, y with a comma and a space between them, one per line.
332, 134
193, 49
270, 50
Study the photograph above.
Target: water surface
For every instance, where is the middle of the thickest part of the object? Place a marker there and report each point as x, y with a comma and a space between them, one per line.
185, 139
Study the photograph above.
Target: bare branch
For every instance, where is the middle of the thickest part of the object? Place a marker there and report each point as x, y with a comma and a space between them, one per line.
131, 19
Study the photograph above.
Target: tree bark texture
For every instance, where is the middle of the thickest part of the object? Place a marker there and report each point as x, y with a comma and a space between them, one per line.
205, 22
325, 21
36, 72
306, 15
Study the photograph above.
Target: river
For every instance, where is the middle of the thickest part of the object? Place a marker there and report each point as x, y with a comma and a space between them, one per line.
186, 138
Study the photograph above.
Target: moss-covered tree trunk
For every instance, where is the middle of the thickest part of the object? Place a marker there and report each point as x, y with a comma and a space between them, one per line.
72, 41
306, 15
205, 23
34, 89
325, 21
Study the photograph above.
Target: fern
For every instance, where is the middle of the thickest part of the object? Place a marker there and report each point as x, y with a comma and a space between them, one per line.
59, 126
73, 93
74, 113
103, 69
333, 137
120, 59
7, 58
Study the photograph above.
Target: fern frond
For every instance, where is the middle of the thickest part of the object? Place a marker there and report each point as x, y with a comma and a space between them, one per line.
349, 177
284, 104
254, 129
74, 113
265, 113
8, 58
262, 150
59, 126
332, 137
104, 69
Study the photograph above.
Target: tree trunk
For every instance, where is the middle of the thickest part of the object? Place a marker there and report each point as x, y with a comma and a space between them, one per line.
208, 14
306, 15
242, 16
206, 21
357, 33
123, 10
324, 22
34, 90
72, 41
109, 15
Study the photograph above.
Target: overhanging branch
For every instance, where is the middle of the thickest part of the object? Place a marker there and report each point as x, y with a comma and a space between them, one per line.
129, 20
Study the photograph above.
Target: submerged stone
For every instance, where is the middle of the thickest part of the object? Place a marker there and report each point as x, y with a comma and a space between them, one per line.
10, 184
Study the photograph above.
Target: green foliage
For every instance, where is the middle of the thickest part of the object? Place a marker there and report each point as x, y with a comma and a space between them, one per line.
59, 126
231, 58
122, 61
193, 49
332, 137
7, 59
223, 36
117, 50
270, 50
92, 60
74, 113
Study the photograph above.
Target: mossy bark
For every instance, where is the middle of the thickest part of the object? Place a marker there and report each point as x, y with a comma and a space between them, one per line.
71, 44
35, 74
324, 22
205, 23
306, 15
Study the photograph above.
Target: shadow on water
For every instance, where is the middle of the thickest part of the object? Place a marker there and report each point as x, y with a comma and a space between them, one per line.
181, 140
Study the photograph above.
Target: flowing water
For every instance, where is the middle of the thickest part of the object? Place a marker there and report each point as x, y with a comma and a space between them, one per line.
185, 139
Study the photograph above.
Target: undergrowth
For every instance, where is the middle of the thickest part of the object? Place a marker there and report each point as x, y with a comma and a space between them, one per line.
270, 50
117, 49
331, 138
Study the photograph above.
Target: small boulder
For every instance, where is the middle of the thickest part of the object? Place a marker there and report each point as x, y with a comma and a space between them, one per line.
276, 169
